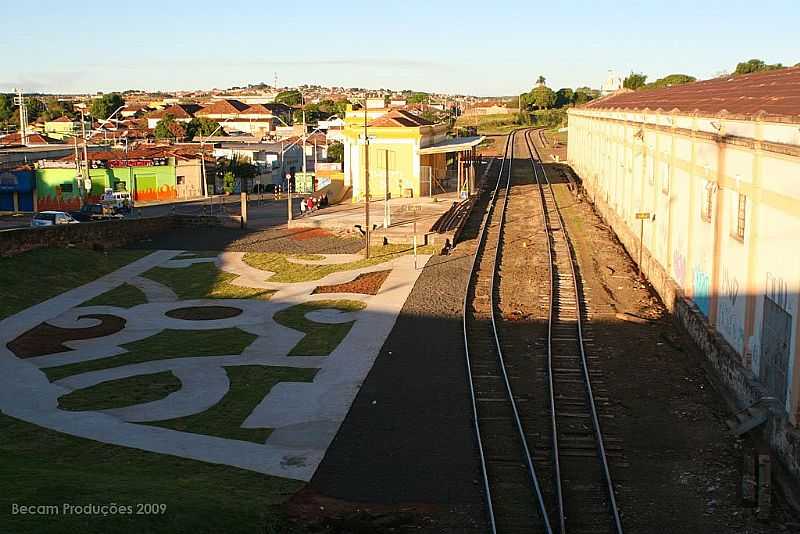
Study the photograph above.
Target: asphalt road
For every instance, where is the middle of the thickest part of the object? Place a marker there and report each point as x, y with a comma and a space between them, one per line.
262, 212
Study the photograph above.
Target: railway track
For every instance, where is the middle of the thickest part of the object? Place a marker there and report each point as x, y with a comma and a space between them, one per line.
542, 472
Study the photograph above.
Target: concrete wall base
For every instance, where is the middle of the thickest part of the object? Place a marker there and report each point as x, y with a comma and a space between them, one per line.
102, 234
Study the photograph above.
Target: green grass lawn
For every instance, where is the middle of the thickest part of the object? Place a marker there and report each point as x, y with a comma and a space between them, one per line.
164, 345
124, 296
288, 272
249, 385
490, 124
37, 275
40, 467
320, 338
122, 392
204, 280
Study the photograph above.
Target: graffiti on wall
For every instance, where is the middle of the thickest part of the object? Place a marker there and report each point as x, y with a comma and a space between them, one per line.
679, 266
730, 319
701, 289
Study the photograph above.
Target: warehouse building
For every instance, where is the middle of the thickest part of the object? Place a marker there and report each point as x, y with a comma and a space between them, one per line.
708, 174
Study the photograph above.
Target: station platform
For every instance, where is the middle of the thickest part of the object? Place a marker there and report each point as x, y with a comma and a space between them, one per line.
404, 212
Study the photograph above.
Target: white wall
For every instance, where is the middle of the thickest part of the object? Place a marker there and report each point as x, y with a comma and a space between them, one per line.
665, 165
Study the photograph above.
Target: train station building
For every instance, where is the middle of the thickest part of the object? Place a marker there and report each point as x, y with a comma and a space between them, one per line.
708, 174
409, 156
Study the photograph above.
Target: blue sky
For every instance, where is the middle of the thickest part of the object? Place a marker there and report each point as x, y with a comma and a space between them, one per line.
483, 48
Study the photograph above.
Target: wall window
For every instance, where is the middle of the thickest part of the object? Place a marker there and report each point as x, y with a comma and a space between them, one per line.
741, 217
66, 187
707, 205
180, 180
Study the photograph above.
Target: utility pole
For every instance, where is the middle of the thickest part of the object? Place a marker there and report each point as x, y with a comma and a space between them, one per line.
366, 182
23, 117
85, 158
303, 103
387, 214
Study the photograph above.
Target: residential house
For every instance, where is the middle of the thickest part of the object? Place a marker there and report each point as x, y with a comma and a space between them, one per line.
179, 112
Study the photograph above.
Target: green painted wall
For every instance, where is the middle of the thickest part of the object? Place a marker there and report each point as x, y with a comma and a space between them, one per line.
152, 183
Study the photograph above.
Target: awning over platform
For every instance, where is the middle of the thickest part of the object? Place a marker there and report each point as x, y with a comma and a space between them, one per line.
456, 144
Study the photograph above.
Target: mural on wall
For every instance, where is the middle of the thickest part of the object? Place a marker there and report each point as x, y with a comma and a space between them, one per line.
150, 194
730, 311
701, 289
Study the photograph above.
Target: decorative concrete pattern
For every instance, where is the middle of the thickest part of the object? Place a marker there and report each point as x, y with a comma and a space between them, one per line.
305, 416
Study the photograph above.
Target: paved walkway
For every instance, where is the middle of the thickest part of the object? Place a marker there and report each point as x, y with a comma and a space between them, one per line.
304, 416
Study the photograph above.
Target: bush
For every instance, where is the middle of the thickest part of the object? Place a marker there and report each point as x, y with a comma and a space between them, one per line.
550, 118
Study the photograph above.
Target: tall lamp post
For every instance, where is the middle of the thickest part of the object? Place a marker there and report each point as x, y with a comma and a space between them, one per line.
366, 183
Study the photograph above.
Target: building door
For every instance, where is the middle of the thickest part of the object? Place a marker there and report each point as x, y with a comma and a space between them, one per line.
776, 333
26, 201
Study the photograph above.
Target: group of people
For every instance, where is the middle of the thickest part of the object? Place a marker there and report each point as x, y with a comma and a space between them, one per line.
311, 203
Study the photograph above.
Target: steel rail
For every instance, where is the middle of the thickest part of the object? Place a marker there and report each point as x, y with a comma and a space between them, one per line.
543, 181
508, 155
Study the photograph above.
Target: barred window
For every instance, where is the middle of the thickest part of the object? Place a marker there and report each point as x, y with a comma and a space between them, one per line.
741, 217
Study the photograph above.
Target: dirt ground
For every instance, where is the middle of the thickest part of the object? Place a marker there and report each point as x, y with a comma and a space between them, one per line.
366, 284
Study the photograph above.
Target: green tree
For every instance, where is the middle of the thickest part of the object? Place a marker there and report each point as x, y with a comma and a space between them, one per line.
56, 109
228, 181
671, 81
169, 128
292, 97
541, 80
417, 98
564, 97
203, 127
336, 152
754, 65
341, 107
635, 80
105, 105
543, 97
35, 108
582, 95
7, 107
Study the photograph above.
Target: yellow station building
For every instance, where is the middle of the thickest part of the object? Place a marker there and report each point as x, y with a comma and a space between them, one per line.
408, 156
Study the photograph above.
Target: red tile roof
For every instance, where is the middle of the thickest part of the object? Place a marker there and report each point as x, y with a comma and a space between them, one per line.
227, 106
33, 139
774, 93
179, 111
62, 118
399, 117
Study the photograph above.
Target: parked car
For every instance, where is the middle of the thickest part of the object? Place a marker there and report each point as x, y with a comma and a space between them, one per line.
95, 212
49, 218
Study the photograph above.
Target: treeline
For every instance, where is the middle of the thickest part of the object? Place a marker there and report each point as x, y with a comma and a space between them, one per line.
50, 108
638, 81
542, 97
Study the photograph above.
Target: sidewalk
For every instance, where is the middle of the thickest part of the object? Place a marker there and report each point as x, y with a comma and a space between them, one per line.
404, 212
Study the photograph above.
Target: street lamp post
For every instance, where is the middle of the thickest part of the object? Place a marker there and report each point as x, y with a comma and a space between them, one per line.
366, 182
